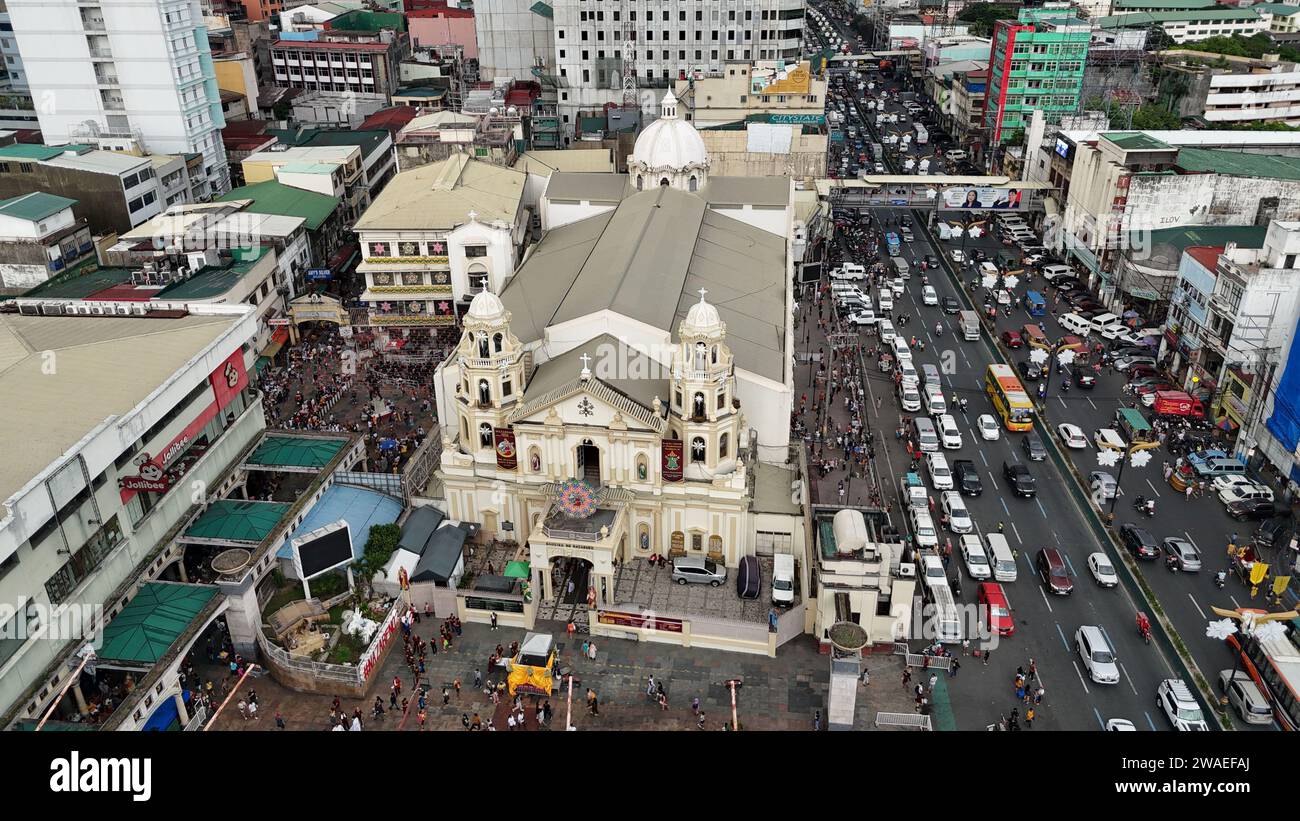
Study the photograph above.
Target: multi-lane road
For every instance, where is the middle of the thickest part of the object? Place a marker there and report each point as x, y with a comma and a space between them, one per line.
1045, 623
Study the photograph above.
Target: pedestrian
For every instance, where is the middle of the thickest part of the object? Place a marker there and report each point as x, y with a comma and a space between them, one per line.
243, 709
455, 684
907, 676
817, 720
422, 716
934, 679
699, 722
650, 687
494, 619
965, 646
464, 720
252, 710
478, 680
663, 701
953, 667
585, 645
1033, 670
1029, 718
510, 721
591, 651
695, 705
446, 696
1038, 696
279, 720
1020, 692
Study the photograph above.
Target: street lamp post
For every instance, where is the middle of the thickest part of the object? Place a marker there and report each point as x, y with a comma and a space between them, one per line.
1108, 457
1062, 354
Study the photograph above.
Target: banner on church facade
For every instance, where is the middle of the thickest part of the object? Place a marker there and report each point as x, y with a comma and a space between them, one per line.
507, 455
672, 459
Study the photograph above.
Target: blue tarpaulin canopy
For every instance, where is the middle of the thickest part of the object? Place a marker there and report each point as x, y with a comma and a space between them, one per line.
165, 715
1285, 421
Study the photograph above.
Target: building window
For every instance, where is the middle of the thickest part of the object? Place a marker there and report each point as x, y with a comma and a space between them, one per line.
485, 435
473, 251
698, 449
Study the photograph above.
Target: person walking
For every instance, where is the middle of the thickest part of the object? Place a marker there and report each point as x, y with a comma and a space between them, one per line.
695, 705
252, 710
570, 628
907, 676
1029, 718
663, 701
817, 721
953, 667
494, 619
478, 680
965, 646
1033, 670
243, 709
279, 720
650, 687
934, 679
699, 722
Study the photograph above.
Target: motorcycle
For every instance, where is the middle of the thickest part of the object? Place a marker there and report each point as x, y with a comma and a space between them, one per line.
1145, 506
1220, 578
1171, 563
1144, 627
1065, 386
938, 329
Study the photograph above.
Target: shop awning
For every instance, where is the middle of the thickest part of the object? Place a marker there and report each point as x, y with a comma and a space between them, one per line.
158, 615
236, 520
165, 715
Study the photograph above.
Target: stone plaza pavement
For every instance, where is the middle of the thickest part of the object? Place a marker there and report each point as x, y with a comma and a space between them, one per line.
777, 694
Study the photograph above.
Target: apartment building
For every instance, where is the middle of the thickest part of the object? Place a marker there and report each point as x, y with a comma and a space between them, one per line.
100, 64
1036, 64
114, 192
1195, 24
368, 68
40, 238
1226, 89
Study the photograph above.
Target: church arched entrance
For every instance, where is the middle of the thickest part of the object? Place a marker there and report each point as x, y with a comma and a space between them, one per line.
589, 463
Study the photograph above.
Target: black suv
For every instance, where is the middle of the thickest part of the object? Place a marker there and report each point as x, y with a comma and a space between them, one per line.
1033, 448
950, 305
1020, 479
967, 477
1252, 509
1142, 544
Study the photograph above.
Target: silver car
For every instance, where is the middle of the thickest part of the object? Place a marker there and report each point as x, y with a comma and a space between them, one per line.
1184, 553
1103, 482
696, 570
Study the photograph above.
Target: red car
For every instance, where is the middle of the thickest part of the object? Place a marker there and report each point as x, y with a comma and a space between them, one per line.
994, 599
1012, 339
1054, 572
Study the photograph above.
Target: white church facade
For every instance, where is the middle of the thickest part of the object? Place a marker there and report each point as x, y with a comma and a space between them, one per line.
621, 393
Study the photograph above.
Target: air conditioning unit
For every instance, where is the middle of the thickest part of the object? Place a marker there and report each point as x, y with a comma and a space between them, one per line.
97, 310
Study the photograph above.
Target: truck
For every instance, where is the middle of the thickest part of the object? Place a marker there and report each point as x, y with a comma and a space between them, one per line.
891, 241
922, 136
970, 325
1178, 403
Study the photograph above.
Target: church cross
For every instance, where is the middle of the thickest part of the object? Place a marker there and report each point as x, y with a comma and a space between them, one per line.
703, 291
585, 359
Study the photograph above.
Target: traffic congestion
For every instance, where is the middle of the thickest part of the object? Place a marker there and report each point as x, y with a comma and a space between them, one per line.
1025, 417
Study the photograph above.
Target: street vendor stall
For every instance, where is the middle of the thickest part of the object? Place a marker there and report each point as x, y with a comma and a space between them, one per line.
530, 669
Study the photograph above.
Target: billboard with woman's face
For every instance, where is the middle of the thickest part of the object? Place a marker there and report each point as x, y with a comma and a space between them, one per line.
962, 197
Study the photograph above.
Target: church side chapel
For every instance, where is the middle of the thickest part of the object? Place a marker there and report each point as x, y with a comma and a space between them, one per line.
617, 396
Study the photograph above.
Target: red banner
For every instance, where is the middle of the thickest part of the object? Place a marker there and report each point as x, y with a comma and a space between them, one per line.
507, 455
648, 622
671, 451
227, 381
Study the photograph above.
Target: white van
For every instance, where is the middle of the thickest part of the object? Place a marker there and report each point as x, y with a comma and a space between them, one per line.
954, 155
783, 579
885, 329
1108, 439
931, 374
1000, 556
949, 433
1075, 324
901, 350
1051, 271
909, 399
1102, 321
926, 438
935, 404
849, 270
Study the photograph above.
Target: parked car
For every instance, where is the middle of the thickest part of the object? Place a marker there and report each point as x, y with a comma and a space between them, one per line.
1251, 509
993, 599
1244, 696
1125, 363
1102, 570
1053, 571
1020, 479
1243, 491
1184, 553
1141, 543
698, 570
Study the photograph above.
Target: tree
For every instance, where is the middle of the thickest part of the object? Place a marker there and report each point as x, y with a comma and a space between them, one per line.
982, 16
1150, 117
379, 549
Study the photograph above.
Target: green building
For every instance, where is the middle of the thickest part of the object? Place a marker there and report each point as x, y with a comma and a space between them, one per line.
1036, 63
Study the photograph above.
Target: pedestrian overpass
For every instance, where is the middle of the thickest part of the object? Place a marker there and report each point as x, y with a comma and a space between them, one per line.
946, 192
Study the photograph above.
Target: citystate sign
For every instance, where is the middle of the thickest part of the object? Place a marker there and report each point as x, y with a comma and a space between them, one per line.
796, 119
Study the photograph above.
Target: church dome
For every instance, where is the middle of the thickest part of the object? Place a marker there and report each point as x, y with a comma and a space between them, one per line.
669, 143
702, 318
485, 305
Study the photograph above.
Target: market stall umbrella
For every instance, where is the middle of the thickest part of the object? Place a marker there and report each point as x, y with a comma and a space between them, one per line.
387, 444
1227, 424
517, 570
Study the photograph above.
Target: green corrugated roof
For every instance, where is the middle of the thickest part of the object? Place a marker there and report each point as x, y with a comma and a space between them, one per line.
431, 92
361, 20
158, 615
1236, 164
1165, 4
294, 451
1148, 18
368, 140
26, 151
276, 198
237, 520
1246, 236
544, 9
1277, 9
34, 206
213, 282
1137, 141
80, 285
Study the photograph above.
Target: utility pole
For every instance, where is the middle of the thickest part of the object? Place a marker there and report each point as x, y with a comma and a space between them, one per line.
629, 60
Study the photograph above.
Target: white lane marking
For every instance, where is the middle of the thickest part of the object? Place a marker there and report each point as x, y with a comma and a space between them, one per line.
1150, 723
1153, 487
1017, 532
1084, 683
1197, 606
1040, 507
1061, 633
1097, 713
1124, 670
1094, 404
1045, 601
984, 458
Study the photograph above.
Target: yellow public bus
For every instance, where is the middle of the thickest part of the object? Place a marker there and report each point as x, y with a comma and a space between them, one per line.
1009, 398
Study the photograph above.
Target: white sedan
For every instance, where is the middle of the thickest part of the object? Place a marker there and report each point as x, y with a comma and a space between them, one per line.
929, 296
1072, 436
958, 256
1223, 483
1120, 725
862, 318
1102, 570
988, 426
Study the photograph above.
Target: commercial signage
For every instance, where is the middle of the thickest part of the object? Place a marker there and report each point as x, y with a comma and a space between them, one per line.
962, 197
229, 378
507, 455
279, 321
319, 273
647, 622
672, 451
796, 119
